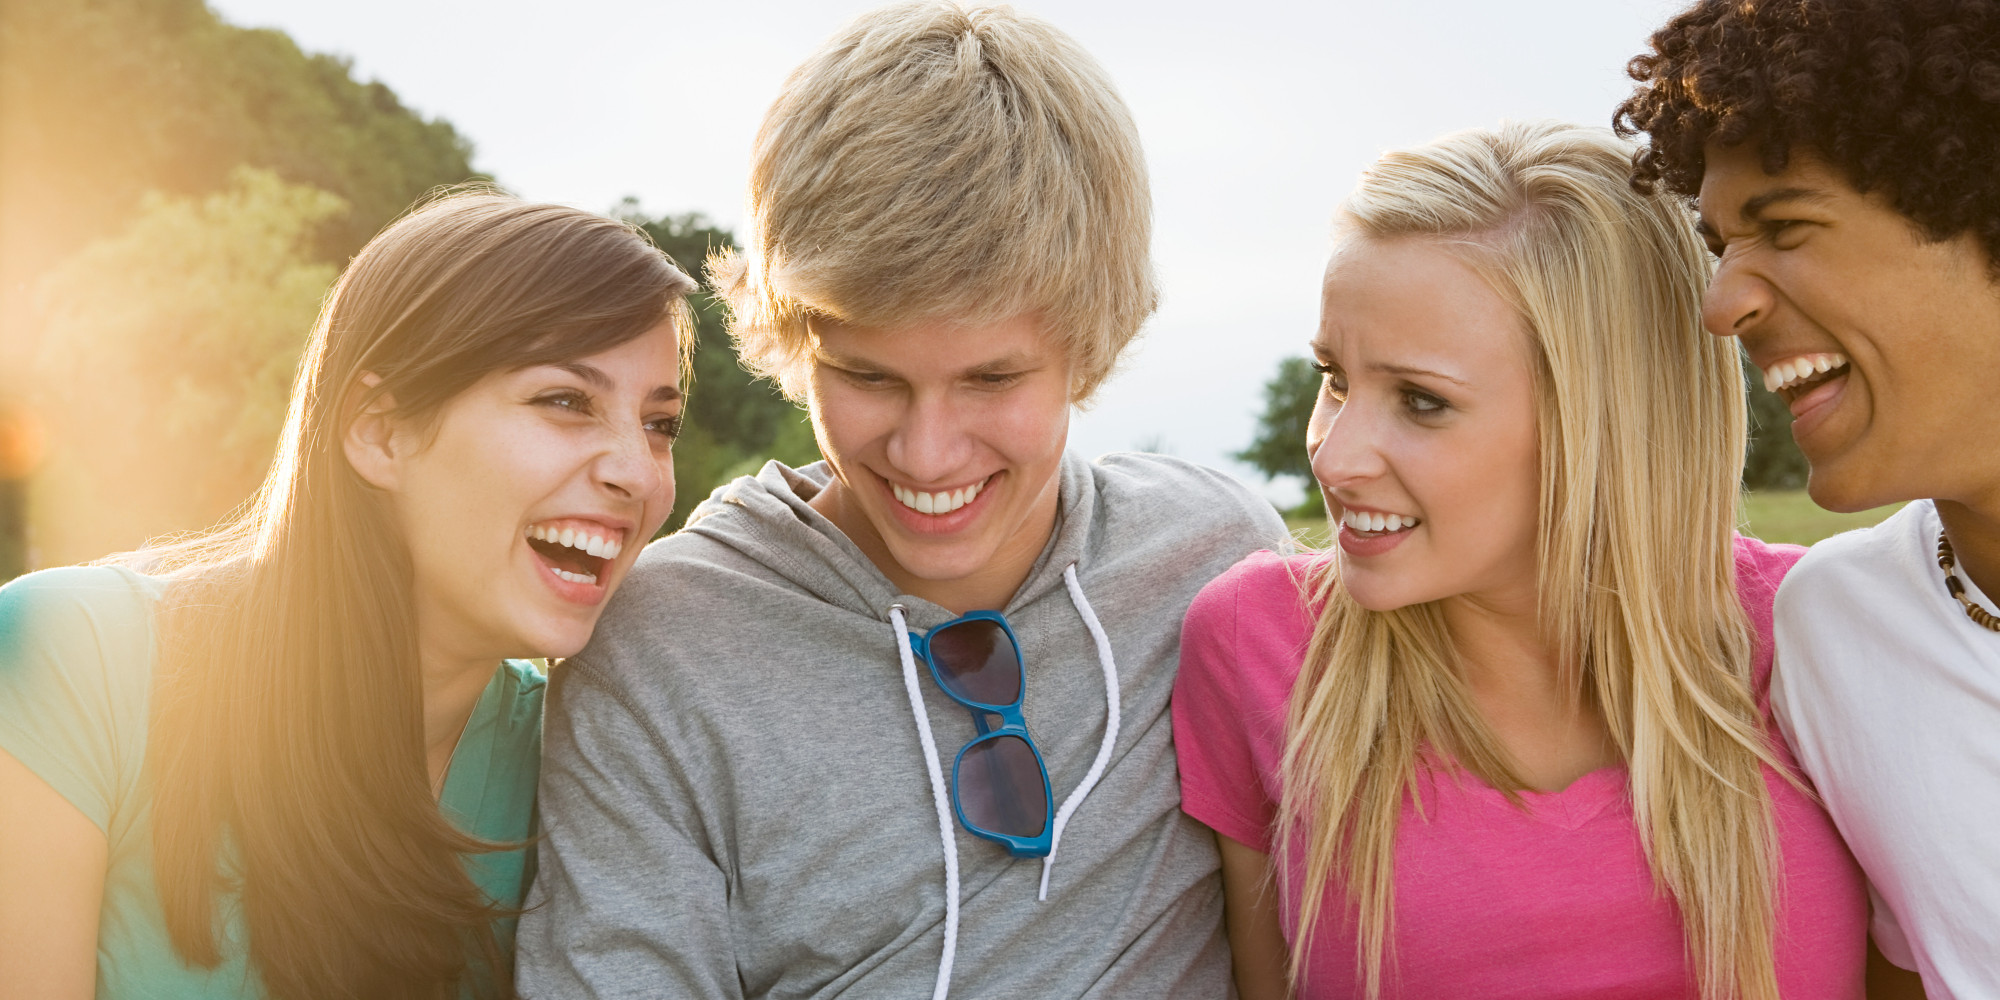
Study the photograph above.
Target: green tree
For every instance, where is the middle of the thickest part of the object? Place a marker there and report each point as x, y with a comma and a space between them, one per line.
170, 354
102, 101
735, 422
1279, 448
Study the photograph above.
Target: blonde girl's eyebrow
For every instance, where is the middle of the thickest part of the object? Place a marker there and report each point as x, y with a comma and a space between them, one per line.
1412, 370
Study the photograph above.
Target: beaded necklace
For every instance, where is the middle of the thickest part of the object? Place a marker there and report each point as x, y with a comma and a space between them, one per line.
1952, 586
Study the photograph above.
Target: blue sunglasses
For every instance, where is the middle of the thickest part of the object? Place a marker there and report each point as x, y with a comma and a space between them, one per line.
999, 786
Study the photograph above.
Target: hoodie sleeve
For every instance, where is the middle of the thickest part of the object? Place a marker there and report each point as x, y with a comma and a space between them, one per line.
629, 899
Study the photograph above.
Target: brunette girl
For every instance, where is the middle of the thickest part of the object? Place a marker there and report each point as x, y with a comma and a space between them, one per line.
293, 758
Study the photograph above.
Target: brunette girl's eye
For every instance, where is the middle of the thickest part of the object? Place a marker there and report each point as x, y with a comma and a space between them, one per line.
565, 399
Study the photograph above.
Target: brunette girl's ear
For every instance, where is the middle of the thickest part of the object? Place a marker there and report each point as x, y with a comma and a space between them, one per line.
370, 440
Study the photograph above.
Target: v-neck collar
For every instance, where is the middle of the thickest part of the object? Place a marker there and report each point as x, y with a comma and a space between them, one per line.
465, 777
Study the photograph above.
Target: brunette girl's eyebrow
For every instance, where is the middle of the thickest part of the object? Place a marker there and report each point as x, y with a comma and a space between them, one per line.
588, 373
602, 382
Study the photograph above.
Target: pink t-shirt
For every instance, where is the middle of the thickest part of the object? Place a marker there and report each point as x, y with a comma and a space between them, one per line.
1492, 901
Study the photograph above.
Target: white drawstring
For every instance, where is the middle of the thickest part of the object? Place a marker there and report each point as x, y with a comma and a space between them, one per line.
945, 832
1111, 712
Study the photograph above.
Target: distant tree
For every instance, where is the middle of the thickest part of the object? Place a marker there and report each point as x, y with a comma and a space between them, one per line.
102, 101
1280, 446
169, 356
734, 422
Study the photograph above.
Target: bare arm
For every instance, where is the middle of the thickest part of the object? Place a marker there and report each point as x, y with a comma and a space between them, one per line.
52, 861
1250, 912
1889, 981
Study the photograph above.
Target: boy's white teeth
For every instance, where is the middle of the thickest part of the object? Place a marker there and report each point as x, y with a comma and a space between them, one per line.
1370, 521
941, 502
1791, 371
574, 577
590, 544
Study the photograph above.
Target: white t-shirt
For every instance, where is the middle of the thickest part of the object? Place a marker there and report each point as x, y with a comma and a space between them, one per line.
1890, 696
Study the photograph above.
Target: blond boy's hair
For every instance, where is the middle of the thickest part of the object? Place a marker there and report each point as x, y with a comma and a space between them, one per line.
942, 162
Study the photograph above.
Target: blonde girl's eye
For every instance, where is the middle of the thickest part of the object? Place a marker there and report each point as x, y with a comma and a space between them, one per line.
1422, 403
1333, 380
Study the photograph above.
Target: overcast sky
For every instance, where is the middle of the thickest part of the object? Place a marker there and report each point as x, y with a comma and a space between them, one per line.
1256, 117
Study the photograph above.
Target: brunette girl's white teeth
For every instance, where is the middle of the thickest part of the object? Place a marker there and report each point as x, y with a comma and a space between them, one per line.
574, 577
601, 546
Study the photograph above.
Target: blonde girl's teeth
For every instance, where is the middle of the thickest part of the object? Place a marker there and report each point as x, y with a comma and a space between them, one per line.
957, 499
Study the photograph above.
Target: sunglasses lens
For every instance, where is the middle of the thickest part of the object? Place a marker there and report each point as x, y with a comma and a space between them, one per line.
1001, 788
976, 661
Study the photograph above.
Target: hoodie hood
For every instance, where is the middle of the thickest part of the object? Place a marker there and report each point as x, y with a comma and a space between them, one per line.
769, 518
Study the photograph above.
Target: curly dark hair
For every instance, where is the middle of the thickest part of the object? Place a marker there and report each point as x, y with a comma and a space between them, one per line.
1903, 96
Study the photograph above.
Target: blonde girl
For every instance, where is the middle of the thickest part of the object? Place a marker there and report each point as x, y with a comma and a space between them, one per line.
1509, 736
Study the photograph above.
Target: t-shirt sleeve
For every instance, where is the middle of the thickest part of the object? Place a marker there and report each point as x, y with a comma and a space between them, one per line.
1220, 783
75, 664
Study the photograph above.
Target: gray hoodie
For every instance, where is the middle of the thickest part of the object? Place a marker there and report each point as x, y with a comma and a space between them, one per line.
737, 801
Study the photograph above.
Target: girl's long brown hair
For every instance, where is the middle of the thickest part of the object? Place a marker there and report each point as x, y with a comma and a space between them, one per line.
286, 748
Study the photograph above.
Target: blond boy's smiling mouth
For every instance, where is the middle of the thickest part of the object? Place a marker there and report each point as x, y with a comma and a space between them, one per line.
936, 502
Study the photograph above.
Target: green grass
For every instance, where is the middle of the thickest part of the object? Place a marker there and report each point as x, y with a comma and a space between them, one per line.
1791, 516
1774, 516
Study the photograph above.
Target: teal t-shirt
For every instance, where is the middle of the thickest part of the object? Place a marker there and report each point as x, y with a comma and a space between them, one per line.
76, 671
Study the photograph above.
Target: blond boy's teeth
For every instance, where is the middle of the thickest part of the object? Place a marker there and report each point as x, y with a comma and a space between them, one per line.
1370, 521
595, 543
941, 502
1791, 371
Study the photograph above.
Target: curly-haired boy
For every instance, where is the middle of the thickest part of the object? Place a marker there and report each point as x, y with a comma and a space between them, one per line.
1843, 154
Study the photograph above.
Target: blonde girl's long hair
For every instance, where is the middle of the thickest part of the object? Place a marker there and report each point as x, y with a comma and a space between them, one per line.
286, 749
1641, 420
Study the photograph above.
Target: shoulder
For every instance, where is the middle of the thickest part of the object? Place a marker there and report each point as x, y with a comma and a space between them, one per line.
1183, 498
1257, 615
1866, 558
1760, 567
83, 609
76, 671
1262, 585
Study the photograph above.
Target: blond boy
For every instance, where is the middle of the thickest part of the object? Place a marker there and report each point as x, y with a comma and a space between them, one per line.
752, 784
